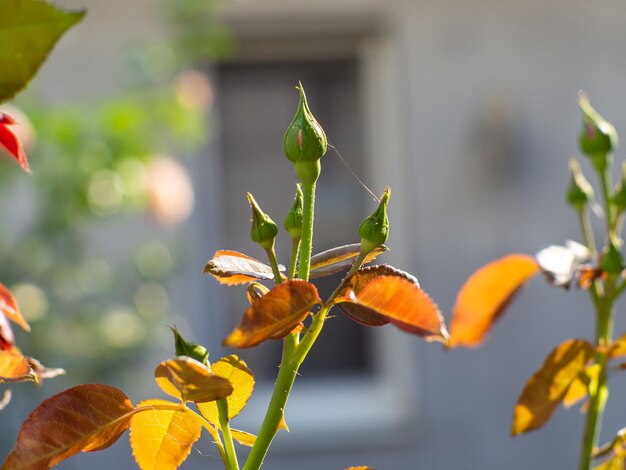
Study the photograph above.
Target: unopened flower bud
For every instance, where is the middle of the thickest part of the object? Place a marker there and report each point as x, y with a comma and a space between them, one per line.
579, 192
192, 350
374, 230
598, 136
305, 141
263, 230
612, 260
293, 221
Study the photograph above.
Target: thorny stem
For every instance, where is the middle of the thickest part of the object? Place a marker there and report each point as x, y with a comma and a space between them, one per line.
604, 306
271, 256
231, 454
308, 208
295, 249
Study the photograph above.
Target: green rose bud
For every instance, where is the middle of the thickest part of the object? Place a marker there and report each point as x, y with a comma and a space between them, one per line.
374, 230
612, 261
184, 348
619, 197
579, 192
598, 136
263, 230
305, 141
293, 221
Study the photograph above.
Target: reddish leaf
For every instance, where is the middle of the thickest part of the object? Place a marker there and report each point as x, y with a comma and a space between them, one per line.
339, 259
84, 418
10, 141
548, 386
485, 296
7, 340
360, 313
190, 380
8, 306
403, 304
275, 314
162, 439
232, 268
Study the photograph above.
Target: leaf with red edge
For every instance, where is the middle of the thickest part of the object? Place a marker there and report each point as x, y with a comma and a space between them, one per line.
275, 314
485, 296
233, 268
548, 386
162, 439
403, 304
8, 306
360, 313
84, 418
7, 340
11, 142
190, 380
340, 259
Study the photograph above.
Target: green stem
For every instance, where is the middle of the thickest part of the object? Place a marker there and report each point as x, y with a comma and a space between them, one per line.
308, 208
587, 229
271, 256
276, 409
599, 396
229, 447
607, 185
295, 249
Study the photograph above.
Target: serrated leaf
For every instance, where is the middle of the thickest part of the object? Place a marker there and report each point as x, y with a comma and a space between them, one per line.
547, 387
162, 439
9, 307
403, 304
485, 296
29, 29
189, 380
340, 259
275, 314
233, 268
84, 418
242, 380
244, 438
360, 313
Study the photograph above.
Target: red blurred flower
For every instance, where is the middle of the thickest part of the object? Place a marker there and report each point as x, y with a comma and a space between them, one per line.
10, 141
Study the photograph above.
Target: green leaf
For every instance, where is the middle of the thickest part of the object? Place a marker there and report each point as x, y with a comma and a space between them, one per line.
29, 29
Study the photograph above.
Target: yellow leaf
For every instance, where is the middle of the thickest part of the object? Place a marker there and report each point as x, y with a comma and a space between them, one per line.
244, 438
8, 306
579, 388
162, 439
618, 348
233, 268
15, 368
275, 314
84, 418
547, 387
360, 468
485, 296
616, 462
242, 380
190, 380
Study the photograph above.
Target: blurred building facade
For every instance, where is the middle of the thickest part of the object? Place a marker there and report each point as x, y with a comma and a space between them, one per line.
468, 111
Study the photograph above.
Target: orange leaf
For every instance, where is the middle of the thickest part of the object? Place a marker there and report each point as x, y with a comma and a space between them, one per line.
242, 380
548, 386
362, 467
10, 141
8, 306
162, 439
190, 380
275, 314
618, 347
339, 259
485, 296
403, 304
84, 418
232, 268
360, 313
15, 368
